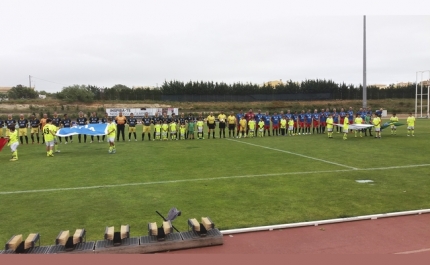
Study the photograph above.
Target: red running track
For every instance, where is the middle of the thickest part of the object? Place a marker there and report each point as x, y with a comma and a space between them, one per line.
392, 235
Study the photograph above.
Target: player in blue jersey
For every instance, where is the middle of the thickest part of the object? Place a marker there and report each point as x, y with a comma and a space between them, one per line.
351, 116
308, 121
336, 119
81, 121
301, 118
316, 121
295, 118
267, 119
275, 123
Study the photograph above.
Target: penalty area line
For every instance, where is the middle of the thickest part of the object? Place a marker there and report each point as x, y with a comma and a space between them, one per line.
296, 154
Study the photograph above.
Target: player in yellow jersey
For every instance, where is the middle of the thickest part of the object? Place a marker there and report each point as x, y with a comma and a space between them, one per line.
411, 124
173, 127
283, 125
157, 131
165, 131
48, 136
394, 119
210, 120
182, 131
13, 142
330, 123
231, 120
261, 127
377, 124
251, 126
242, 126
221, 124
358, 120
199, 125
111, 133
290, 127
345, 127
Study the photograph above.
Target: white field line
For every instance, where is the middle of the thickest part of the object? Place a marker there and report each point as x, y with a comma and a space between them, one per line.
414, 251
291, 153
206, 179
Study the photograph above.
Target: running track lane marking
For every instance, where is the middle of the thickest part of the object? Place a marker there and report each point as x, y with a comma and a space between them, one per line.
219, 178
288, 152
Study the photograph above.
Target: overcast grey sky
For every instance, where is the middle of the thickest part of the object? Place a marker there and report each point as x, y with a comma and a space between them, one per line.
143, 43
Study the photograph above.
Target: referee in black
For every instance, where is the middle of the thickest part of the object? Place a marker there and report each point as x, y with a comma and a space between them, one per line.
120, 126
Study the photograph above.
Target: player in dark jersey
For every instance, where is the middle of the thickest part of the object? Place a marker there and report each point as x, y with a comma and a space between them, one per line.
66, 123
23, 124
94, 120
104, 121
82, 121
146, 122
56, 121
1, 127
9, 122
132, 122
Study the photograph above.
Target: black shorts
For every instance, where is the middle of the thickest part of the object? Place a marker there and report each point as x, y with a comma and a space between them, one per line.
222, 125
231, 127
211, 126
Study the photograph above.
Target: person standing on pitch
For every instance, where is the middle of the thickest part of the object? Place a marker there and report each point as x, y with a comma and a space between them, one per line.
231, 120
345, 126
132, 122
82, 121
9, 122
94, 120
13, 142
104, 121
49, 134
267, 119
42, 124
330, 123
146, 121
120, 125
377, 124
66, 123
34, 124
56, 121
222, 122
210, 120
393, 120
1, 127
358, 120
23, 124
411, 124
111, 131
191, 124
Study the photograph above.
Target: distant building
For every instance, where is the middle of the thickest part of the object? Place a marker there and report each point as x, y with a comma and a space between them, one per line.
4, 89
403, 84
145, 87
380, 86
274, 83
42, 96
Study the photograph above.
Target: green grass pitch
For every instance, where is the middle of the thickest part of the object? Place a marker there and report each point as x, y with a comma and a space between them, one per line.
237, 183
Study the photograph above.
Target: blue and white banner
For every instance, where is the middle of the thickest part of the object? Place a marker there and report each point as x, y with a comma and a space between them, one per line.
89, 129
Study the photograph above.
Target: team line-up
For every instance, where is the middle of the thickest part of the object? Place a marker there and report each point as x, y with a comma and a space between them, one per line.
164, 127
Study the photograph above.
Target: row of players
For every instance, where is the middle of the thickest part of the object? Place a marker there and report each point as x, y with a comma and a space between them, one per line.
302, 123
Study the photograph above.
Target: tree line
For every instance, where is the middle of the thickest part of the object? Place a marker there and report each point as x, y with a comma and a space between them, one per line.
89, 93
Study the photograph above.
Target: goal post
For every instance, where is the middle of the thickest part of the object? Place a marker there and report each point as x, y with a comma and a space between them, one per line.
422, 93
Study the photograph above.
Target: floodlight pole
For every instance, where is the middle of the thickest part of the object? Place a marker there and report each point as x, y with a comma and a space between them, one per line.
364, 65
